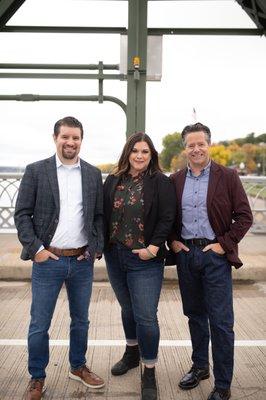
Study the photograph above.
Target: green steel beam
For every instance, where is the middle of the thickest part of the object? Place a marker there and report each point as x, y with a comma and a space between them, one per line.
22, 75
121, 30
8, 9
63, 29
207, 31
58, 66
256, 10
37, 97
136, 82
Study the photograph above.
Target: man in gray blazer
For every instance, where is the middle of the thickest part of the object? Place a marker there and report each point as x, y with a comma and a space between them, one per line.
59, 221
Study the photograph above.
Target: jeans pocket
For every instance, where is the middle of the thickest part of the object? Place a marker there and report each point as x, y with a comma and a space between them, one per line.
49, 259
217, 254
42, 262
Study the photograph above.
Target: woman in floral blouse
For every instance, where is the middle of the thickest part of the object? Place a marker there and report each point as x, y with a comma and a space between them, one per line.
139, 207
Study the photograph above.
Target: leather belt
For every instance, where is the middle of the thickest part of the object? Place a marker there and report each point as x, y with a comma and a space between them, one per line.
200, 242
67, 252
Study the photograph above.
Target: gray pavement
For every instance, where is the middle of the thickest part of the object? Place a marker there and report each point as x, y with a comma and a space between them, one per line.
252, 252
106, 345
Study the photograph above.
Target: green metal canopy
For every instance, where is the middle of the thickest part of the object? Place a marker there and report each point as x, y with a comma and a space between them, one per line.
137, 32
256, 10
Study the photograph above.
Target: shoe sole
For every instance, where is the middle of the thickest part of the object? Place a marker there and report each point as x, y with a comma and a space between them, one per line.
196, 384
77, 378
123, 373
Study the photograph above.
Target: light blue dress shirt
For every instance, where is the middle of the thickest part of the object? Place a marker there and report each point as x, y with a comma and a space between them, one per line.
195, 221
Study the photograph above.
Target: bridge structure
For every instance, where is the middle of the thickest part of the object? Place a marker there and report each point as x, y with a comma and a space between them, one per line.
137, 33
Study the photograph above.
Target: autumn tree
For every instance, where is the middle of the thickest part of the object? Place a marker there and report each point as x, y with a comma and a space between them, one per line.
106, 168
220, 154
179, 161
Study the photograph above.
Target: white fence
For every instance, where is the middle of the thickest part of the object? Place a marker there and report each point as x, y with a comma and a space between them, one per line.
255, 187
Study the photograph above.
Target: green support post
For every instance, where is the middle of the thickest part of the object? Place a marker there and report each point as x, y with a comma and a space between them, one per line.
137, 62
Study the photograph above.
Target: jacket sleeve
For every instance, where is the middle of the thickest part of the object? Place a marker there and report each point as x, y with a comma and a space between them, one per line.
173, 233
166, 211
241, 216
98, 215
24, 211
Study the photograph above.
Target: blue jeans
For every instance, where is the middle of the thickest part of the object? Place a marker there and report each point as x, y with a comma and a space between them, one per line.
137, 285
47, 280
206, 289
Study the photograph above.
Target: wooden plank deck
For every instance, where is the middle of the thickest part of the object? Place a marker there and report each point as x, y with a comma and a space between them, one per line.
250, 362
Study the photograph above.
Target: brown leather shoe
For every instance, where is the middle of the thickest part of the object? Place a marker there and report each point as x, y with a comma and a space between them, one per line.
35, 389
87, 377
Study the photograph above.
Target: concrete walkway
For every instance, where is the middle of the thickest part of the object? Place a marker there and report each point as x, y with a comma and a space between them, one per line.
106, 345
252, 252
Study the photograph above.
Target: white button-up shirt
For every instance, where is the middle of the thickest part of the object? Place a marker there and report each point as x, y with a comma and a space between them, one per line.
70, 233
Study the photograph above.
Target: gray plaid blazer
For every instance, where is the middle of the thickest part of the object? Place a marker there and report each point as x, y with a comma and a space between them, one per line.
37, 207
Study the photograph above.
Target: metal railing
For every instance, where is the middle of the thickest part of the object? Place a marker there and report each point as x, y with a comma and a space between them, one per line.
255, 187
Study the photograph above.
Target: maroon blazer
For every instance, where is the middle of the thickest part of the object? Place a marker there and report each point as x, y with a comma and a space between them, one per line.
228, 208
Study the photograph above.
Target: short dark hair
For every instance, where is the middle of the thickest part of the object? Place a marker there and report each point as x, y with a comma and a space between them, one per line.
198, 127
68, 121
123, 165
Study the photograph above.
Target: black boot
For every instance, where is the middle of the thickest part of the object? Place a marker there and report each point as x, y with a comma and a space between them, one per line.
148, 384
129, 360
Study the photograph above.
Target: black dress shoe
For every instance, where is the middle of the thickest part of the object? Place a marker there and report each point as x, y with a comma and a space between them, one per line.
193, 378
129, 360
220, 394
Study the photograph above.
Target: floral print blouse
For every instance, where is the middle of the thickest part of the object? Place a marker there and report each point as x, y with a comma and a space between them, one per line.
127, 219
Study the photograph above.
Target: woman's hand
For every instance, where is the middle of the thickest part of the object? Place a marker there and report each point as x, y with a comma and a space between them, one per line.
147, 253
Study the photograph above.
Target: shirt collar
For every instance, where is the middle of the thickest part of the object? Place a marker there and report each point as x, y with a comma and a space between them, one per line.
204, 171
60, 164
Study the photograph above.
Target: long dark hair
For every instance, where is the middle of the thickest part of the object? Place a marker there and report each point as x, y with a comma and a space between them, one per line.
123, 165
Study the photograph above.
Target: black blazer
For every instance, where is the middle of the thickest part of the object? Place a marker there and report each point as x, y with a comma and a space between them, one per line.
159, 208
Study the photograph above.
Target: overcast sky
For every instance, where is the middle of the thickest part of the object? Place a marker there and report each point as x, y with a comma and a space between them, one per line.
222, 77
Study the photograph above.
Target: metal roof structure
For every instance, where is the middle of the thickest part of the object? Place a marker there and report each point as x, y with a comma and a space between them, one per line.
256, 10
137, 32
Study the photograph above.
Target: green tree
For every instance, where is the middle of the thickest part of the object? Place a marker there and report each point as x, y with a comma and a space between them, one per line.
261, 138
172, 146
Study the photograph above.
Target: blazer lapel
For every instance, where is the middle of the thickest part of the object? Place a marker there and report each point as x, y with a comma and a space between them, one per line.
215, 174
180, 183
86, 180
113, 184
52, 176
149, 182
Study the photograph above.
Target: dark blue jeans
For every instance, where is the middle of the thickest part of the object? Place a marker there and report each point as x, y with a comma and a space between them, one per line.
47, 280
206, 288
137, 285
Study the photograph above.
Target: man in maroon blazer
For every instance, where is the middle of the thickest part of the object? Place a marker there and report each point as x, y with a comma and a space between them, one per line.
213, 216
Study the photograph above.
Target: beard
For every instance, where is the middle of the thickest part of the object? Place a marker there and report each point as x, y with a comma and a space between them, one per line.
69, 155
